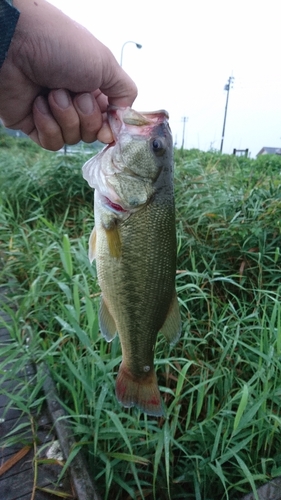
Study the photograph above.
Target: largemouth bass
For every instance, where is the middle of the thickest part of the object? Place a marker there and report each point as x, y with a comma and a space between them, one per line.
134, 244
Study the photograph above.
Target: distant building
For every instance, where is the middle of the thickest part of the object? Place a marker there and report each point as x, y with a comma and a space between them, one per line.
241, 152
269, 151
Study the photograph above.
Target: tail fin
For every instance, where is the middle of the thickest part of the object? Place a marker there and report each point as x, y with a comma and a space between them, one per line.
142, 393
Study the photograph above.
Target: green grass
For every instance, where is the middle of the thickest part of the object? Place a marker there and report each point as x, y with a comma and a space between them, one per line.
221, 384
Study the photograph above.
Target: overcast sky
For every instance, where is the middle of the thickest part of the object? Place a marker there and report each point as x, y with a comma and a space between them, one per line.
189, 50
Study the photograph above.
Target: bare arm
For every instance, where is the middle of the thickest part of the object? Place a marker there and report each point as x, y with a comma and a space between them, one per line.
57, 79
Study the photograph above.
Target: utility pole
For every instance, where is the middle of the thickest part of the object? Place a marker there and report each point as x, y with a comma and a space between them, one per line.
184, 120
227, 87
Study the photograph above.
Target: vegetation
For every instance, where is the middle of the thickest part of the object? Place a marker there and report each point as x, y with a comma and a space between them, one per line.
221, 384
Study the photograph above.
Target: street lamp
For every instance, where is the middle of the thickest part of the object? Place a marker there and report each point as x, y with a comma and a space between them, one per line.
227, 87
138, 45
184, 120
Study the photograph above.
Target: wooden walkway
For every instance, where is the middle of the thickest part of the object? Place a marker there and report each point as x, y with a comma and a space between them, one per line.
23, 475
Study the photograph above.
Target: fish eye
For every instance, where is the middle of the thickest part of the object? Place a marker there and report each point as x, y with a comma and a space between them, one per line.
158, 146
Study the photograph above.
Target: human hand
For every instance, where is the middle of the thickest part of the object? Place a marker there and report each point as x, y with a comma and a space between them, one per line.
58, 79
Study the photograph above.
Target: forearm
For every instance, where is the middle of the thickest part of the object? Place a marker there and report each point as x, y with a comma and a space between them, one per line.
8, 20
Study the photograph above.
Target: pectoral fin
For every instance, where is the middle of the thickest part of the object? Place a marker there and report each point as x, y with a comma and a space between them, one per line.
171, 329
92, 245
106, 321
113, 241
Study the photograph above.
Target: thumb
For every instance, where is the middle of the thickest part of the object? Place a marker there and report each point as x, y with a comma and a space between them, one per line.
116, 84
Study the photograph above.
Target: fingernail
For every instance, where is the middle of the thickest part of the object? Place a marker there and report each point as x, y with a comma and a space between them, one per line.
42, 105
61, 98
85, 104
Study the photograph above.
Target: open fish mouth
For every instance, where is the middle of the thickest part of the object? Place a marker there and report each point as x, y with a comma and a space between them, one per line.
120, 118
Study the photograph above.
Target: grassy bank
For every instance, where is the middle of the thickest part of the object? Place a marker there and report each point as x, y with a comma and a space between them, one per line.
221, 384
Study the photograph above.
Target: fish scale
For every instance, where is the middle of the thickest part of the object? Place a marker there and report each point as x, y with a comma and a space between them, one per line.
140, 276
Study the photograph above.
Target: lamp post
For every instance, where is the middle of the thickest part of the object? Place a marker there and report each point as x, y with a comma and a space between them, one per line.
227, 87
138, 45
184, 120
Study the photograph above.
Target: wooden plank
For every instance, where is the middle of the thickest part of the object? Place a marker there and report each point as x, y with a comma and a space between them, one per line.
13, 487
10, 414
43, 437
4, 400
5, 336
40, 495
12, 424
82, 478
269, 491
3, 329
16, 483
21, 465
5, 319
25, 374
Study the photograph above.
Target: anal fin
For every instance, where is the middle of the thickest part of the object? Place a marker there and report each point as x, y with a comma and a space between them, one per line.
171, 328
106, 322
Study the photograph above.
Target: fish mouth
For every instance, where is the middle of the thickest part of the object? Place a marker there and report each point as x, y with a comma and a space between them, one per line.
138, 118
121, 118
